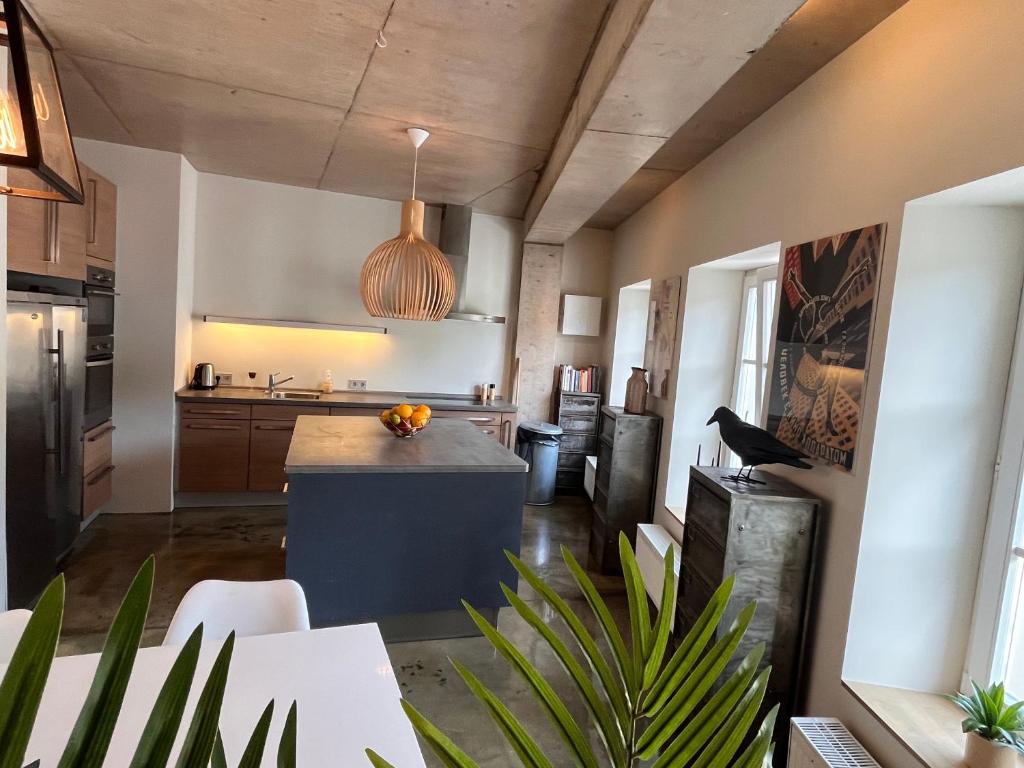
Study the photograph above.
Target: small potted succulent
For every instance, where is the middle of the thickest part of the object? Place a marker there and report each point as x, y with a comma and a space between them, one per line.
993, 727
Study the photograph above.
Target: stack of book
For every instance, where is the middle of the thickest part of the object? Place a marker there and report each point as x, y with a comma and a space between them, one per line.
580, 379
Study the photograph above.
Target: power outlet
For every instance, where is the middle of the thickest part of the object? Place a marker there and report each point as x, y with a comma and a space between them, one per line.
225, 379
357, 385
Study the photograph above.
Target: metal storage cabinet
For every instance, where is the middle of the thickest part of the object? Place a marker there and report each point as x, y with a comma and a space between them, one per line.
627, 464
577, 416
765, 535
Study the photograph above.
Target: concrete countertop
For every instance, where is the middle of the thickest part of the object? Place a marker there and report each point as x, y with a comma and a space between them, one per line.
343, 399
361, 444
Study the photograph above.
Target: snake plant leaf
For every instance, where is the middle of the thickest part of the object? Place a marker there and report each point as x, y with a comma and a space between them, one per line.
730, 737
286, 747
252, 756
608, 728
25, 678
553, 705
757, 752
609, 683
639, 614
693, 688
663, 625
87, 746
219, 758
202, 733
607, 623
702, 726
165, 718
689, 650
528, 751
377, 761
449, 754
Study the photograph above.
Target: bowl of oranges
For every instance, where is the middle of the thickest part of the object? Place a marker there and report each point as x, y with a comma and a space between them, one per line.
405, 420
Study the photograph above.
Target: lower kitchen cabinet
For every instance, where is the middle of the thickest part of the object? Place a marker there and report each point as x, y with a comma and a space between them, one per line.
268, 447
214, 455
97, 468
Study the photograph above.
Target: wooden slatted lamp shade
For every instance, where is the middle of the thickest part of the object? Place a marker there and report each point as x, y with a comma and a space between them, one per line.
407, 277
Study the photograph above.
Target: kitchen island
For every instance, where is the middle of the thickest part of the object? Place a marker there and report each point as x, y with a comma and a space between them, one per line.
399, 530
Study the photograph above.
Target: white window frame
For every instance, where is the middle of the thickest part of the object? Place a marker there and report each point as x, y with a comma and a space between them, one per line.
754, 278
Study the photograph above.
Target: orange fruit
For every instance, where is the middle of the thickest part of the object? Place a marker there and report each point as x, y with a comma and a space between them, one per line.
385, 415
418, 420
424, 409
404, 410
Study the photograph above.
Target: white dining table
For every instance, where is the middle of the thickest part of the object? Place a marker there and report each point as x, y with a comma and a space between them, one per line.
348, 699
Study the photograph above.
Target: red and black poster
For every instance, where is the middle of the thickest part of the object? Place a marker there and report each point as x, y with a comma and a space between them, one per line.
822, 342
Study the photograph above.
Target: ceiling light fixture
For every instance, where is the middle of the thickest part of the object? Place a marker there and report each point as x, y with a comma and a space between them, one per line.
34, 131
406, 277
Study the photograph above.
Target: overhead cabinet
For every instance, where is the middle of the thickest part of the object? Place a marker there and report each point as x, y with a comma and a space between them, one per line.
100, 218
45, 237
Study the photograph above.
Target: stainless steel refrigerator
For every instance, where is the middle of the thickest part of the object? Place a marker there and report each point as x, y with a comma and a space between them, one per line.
45, 402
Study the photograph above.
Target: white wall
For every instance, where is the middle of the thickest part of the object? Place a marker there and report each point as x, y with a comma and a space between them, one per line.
186, 273
888, 121
630, 338
149, 187
951, 336
272, 251
586, 268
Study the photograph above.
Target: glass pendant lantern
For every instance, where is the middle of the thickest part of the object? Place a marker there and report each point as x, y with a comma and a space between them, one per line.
34, 131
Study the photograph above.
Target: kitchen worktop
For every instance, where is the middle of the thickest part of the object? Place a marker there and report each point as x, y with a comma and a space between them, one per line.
361, 444
381, 400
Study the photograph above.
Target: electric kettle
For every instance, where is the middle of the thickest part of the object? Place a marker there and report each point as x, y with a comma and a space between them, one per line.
204, 377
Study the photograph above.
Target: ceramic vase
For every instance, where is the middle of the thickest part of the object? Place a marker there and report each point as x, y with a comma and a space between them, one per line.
979, 752
636, 392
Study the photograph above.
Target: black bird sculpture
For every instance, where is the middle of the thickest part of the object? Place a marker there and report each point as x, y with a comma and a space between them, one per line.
753, 445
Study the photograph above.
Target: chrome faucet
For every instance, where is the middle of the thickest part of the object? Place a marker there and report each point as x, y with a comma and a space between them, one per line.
273, 382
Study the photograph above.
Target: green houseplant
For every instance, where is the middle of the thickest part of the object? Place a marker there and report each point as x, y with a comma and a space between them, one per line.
994, 727
22, 688
645, 705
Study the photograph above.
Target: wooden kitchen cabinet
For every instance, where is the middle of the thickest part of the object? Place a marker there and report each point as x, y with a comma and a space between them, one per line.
44, 237
214, 454
100, 218
268, 448
97, 468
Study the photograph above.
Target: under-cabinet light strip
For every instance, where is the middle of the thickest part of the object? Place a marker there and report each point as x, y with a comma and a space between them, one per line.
295, 324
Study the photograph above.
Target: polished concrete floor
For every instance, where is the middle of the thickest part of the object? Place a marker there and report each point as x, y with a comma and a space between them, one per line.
244, 543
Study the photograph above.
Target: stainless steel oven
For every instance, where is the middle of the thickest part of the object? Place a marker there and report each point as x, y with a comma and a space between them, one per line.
99, 295
99, 380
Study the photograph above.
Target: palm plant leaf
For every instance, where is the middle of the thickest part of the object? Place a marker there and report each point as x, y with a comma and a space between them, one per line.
252, 756
87, 746
757, 752
23, 683
202, 733
528, 751
377, 761
286, 747
219, 758
729, 738
449, 754
611, 686
639, 614
609, 729
556, 709
165, 718
663, 625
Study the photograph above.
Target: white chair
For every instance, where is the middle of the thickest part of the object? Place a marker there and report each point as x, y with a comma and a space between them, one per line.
12, 624
246, 607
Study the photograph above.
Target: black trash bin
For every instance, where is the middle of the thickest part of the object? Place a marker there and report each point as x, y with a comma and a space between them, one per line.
537, 445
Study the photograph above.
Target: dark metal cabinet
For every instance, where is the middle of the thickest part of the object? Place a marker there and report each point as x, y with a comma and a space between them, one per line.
578, 414
627, 465
764, 535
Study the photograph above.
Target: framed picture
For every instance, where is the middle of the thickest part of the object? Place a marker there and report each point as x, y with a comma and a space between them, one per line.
826, 309
661, 333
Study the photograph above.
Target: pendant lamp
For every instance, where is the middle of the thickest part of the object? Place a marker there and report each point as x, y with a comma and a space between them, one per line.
406, 277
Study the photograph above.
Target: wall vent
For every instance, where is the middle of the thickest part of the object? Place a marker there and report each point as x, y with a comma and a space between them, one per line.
820, 742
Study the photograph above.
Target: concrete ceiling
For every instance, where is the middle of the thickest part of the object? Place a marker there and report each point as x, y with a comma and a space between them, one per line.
297, 91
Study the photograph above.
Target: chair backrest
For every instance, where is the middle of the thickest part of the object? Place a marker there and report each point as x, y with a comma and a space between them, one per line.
247, 607
12, 624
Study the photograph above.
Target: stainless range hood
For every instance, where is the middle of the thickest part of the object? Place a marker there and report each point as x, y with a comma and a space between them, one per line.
454, 243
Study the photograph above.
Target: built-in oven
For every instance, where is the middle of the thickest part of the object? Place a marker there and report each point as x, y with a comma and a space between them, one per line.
99, 295
99, 380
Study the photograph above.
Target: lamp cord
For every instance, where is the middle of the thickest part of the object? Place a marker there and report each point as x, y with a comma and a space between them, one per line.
415, 167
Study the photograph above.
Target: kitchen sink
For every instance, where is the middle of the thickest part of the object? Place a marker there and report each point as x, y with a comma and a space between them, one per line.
296, 395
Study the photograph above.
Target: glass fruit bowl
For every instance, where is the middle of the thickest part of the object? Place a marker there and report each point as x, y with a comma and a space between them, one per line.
405, 420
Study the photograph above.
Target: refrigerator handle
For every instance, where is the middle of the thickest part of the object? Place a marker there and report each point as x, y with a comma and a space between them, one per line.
59, 443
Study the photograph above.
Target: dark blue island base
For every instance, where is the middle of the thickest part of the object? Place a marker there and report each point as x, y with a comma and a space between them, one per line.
401, 547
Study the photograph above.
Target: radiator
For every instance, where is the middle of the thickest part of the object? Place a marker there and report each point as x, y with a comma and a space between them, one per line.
824, 742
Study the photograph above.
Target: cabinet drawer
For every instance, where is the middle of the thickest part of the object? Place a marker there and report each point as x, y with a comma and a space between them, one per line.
286, 412
97, 489
608, 428
694, 592
573, 443
579, 405
700, 553
709, 512
215, 411
98, 448
213, 455
572, 460
268, 447
604, 464
474, 417
573, 423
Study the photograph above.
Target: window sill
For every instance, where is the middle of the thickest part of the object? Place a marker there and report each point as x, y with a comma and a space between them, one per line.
925, 723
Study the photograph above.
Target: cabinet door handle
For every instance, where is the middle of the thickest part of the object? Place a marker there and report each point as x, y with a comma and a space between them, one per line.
277, 427
91, 195
224, 412
212, 426
99, 476
480, 419
487, 431
110, 428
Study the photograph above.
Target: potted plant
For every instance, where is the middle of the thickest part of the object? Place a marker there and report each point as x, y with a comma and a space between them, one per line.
993, 727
